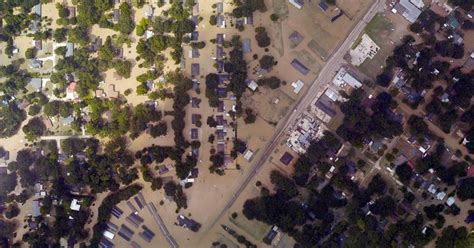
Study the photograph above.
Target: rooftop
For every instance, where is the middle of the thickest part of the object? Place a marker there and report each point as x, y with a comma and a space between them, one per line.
300, 67
407, 10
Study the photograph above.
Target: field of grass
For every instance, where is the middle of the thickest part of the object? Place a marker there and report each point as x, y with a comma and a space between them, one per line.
379, 30
253, 228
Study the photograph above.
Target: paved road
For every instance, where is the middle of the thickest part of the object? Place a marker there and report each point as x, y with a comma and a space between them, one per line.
151, 207
324, 77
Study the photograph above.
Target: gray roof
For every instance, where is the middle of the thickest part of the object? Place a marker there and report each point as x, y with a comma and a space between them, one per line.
194, 35
37, 9
69, 49
36, 83
125, 232
116, 15
220, 20
35, 63
35, 209
194, 70
408, 10
219, 7
246, 45
219, 52
67, 120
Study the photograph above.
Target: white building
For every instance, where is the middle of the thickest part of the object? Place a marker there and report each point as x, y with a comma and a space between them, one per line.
297, 3
297, 86
306, 130
367, 48
344, 79
75, 205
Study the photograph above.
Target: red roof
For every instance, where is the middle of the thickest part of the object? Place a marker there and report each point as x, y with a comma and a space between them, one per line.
470, 170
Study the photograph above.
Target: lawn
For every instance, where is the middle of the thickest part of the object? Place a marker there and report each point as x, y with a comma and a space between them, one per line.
379, 29
252, 227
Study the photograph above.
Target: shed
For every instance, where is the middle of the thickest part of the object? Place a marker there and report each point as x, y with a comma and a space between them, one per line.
251, 84
38, 44
219, 52
220, 7
249, 19
323, 6
297, 86
75, 205
297, 3
220, 21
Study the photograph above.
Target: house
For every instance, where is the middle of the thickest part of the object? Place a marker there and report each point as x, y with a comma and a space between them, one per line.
66, 121
195, 70
220, 21
469, 64
35, 25
219, 53
36, 84
251, 84
36, 63
148, 11
69, 49
270, 236
246, 46
300, 67
195, 102
195, 118
220, 66
111, 92
147, 234
115, 15
194, 53
407, 10
297, 86
35, 208
220, 39
194, 36
125, 232
286, 158
194, 133
187, 223
38, 44
452, 22
220, 106
75, 205
37, 9
72, 11
248, 155
297, 3
219, 7
71, 93
248, 20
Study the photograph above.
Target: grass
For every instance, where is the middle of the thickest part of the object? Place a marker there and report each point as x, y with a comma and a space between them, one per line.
377, 26
253, 228
378, 29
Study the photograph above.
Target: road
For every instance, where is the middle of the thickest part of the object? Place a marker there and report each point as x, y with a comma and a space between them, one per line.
325, 76
151, 207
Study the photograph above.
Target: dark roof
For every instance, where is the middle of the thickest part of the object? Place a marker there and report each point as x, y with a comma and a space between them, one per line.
194, 133
194, 19
147, 234
105, 243
334, 18
223, 78
323, 6
220, 106
299, 66
195, 69
296, 38
221, 147
222, 92
125, 232
186, 222
194, 102
3, 170
117, 212
194, 118
162, 169
219, 52
220, 134
325, 104
270, 236
220, 66
194, 173
132, 208
220, 120
249, 19
135, 219
286, 158
220, 39
139, 202
195, 36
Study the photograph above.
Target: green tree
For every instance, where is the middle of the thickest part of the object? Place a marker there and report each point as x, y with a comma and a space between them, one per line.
34, 128
30, 53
